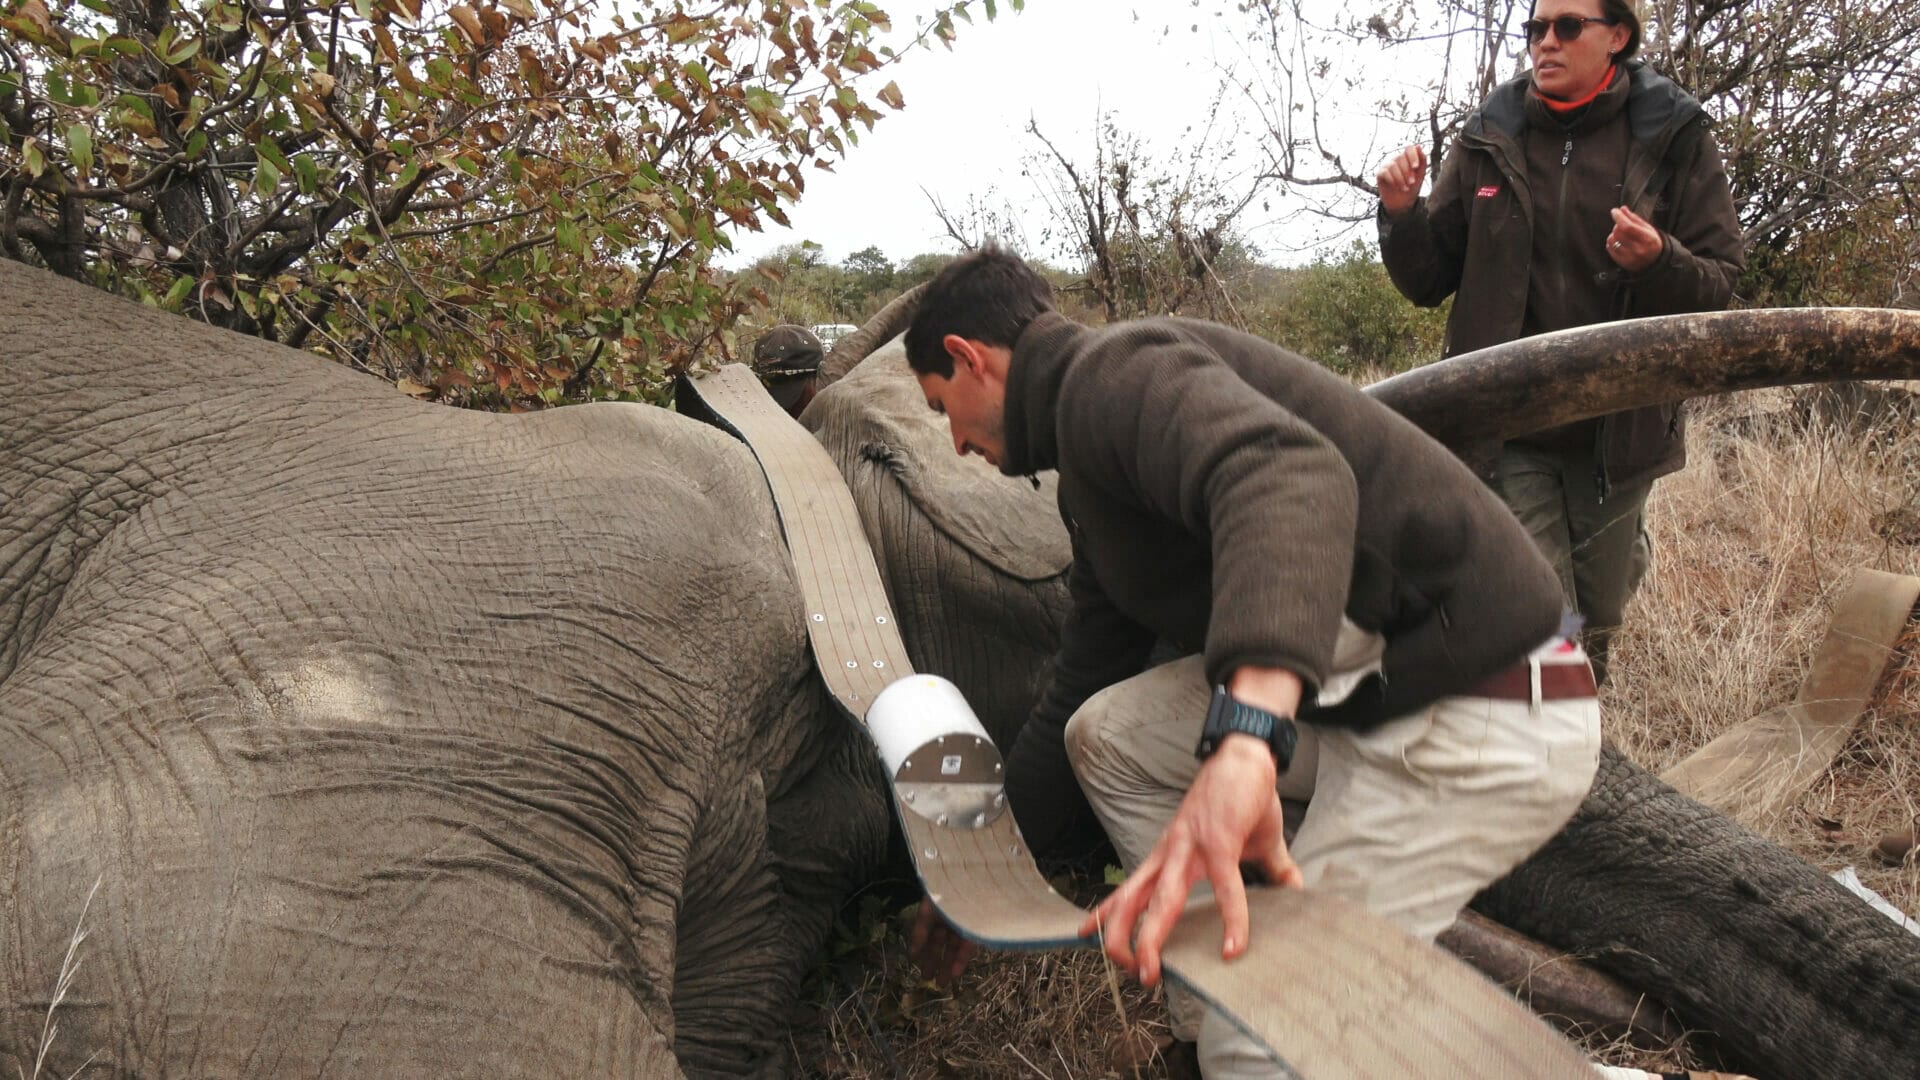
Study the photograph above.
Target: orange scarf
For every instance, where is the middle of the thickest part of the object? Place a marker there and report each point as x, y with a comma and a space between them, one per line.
1568, 106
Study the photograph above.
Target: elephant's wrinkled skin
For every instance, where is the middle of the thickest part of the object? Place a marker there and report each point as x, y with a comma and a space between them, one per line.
400, 740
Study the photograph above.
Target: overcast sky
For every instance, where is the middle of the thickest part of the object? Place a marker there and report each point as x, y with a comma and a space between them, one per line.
1154, 65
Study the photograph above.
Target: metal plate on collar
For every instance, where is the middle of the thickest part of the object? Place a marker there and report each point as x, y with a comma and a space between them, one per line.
955, 781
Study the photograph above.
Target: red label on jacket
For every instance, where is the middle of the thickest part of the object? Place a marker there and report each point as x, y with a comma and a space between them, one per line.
1487, 192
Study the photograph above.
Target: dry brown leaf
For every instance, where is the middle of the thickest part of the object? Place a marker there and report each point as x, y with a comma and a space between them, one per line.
469, 23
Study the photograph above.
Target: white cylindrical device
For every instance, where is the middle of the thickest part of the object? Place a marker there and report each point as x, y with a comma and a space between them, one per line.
937, 753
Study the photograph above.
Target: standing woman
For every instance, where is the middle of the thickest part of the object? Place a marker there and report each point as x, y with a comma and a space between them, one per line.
1584, 191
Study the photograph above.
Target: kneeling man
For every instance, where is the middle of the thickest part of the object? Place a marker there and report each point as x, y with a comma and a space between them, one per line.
1365, 626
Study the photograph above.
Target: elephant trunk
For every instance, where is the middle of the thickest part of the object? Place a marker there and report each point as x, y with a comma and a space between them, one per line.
1795, 975
855, 347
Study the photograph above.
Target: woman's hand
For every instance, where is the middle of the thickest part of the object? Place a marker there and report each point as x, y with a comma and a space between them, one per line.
1400, 180
1634, 243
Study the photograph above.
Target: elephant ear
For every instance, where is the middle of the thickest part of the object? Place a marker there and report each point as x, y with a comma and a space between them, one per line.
877, 414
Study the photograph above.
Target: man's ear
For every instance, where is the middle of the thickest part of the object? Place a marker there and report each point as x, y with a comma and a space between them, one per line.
965, 354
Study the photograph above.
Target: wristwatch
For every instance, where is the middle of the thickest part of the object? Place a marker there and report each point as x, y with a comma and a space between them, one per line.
1226, 716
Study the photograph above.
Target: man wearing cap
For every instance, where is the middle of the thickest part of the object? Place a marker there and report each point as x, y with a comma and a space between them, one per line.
1365, 624
787, 359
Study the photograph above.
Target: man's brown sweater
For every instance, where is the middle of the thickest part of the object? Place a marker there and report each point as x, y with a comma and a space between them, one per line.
1237, 499
1234, 498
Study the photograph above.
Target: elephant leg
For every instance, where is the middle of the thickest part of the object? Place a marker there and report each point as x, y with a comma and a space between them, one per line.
734, 965
1797, 976
764, 877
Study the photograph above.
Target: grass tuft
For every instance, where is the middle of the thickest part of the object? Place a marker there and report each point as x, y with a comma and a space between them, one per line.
69, 971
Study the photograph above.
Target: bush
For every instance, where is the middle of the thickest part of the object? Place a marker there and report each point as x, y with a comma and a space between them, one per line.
1346, 314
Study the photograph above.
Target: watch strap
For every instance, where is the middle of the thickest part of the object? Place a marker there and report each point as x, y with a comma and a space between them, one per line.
1228, 716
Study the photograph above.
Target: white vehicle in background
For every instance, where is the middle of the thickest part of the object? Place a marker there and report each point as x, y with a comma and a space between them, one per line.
828, 333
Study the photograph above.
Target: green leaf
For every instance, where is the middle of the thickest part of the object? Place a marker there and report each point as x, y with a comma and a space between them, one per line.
265, 178
269, 151
181, 287
135, 103
196, 145
698, 73
307, 172
184, 51
80, 148
32, 159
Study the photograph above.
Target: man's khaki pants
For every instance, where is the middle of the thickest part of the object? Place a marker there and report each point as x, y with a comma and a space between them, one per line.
1410, 819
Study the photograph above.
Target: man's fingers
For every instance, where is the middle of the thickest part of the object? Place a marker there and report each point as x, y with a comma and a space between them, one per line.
922, 926
1121, 912
1115, 916
1169, 900
1282, 871
939, 950
960, 952
1276, 862
1230, 893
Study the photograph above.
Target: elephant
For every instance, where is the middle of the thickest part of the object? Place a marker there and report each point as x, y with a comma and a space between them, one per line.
341, 732
1739, 937
364, 736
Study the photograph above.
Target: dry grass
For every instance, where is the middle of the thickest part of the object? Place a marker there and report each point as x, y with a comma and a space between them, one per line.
1058, 1015
63, 984
1754, 542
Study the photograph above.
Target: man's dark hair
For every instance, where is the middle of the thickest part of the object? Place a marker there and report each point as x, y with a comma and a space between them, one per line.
987, 295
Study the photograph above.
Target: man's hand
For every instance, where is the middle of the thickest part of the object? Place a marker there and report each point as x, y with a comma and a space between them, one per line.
937, 948
1399, 180
1230, 815
1634, 243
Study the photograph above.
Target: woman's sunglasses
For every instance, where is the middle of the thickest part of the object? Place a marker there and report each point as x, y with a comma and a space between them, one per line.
1566, 27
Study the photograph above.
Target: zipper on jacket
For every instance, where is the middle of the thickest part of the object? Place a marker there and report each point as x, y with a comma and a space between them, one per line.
1560, 223
1601, 485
